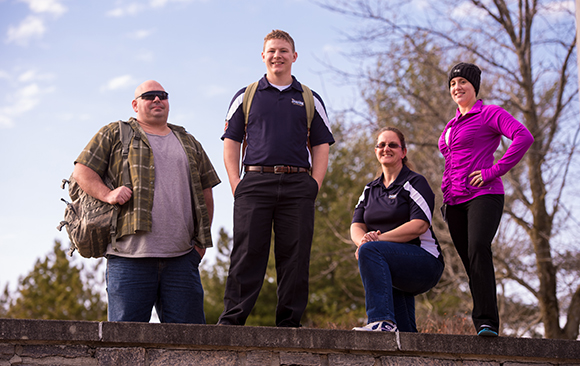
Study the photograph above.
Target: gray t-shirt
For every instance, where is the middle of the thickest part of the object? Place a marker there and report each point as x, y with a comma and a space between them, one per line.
172, 214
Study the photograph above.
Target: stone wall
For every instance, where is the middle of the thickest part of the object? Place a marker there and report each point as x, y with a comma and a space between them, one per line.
46, 342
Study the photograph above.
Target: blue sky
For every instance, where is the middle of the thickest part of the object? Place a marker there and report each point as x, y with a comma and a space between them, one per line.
69, 67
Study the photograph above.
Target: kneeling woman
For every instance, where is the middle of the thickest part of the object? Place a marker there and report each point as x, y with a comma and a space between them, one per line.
398, 254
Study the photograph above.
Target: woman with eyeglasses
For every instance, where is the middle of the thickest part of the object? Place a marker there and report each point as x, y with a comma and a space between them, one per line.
473, 193
398, 254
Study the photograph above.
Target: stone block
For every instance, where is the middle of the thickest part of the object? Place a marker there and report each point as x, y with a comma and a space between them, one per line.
261, 358
347, 359
6, 351
502, 347
159, 357
63, 331
300, 359
121, 356
39, 351
430, 361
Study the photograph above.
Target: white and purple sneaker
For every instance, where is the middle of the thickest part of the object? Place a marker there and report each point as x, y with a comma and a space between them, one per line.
381, 326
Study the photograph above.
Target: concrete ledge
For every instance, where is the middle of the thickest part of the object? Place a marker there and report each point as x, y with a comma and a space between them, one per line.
154, 344
237, 337
48, 330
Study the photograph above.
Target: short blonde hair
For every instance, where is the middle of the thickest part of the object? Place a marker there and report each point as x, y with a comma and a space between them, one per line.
279, 34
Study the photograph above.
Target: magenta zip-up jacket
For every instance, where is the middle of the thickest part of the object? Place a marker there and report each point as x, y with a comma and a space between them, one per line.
468, 144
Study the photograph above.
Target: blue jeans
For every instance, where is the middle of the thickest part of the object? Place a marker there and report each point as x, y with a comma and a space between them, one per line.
392, 274
172, 285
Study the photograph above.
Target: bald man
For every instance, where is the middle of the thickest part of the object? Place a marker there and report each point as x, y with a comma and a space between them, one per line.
164, 224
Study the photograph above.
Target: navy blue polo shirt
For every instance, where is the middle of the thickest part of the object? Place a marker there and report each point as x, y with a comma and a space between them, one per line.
277, 131
409, 197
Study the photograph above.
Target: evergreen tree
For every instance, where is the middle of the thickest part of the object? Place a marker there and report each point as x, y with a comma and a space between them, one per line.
336, 291
214, 276
56, 289
4, 302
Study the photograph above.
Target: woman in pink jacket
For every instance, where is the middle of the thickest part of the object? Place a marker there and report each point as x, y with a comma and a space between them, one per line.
473, 193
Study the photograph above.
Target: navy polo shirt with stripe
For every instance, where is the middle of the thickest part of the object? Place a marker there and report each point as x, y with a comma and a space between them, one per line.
409, 197
277, 131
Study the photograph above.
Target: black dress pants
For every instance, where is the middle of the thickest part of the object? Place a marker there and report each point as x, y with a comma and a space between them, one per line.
262, 201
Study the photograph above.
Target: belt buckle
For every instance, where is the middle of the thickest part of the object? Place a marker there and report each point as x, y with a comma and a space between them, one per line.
280, 169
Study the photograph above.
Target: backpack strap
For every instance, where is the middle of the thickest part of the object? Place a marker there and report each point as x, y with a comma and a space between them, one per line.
125, 133
309, 104
307, 96
246, 104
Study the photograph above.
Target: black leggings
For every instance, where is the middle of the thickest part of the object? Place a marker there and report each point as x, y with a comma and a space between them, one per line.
472, 226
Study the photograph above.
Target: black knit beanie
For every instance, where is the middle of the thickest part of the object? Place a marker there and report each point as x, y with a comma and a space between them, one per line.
469, 72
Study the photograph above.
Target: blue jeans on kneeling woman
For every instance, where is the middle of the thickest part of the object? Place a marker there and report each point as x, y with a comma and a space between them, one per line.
392, 274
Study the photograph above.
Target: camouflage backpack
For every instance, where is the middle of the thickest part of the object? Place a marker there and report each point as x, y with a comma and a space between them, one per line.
92, 224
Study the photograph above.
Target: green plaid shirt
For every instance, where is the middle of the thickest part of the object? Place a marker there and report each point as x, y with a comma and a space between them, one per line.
103, 155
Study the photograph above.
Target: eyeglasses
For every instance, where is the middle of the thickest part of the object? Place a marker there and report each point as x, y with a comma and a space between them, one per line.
151, 95
391, 145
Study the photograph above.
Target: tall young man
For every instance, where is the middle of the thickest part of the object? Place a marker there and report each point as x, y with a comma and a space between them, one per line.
281, 181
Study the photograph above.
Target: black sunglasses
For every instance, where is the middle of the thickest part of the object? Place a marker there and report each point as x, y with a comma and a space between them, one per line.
391, 145
151, 95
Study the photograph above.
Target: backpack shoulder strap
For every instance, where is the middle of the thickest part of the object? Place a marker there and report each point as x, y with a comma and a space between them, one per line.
126, 132
309, 104
248, 97
310, 108
246, 104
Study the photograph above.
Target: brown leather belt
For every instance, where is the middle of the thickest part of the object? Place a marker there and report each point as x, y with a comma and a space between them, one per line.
276, 169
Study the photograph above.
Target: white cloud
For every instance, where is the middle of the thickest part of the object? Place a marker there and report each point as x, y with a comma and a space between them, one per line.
162, 3
27, 76
5, 121
158, 3
145, 56
129, 9
330, 48
53, 7
422, 4
31, 27
33, 75
134, 8
23, 100
115, 13
29, 92
467, 9
120, 82
141, 34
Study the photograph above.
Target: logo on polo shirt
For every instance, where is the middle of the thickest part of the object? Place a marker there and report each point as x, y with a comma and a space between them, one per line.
392, 196
297, 102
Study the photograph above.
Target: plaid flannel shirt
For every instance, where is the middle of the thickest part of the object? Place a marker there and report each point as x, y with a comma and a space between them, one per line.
103, 155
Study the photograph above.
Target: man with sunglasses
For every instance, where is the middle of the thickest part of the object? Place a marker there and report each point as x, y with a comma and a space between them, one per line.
165, 213
279, 188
